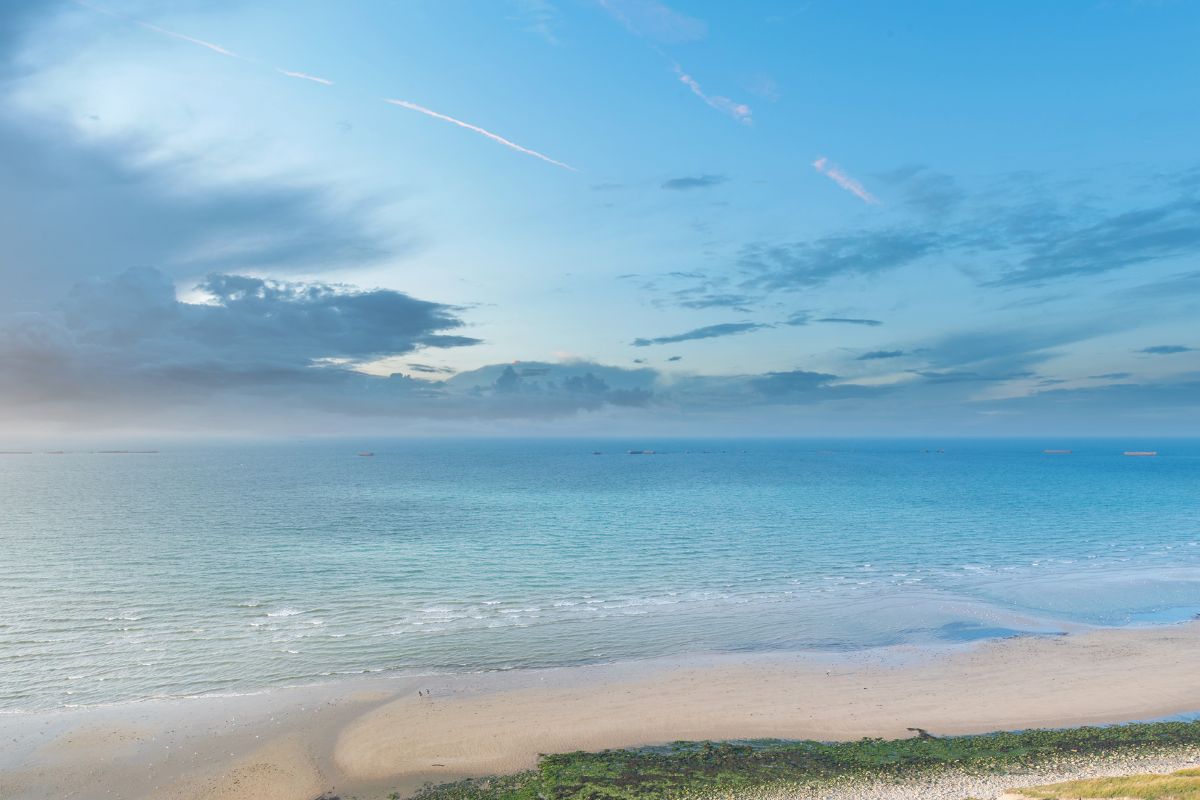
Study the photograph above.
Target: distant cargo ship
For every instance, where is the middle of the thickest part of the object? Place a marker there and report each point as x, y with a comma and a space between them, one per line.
641, 452
1057, 452
365, 453
1141, 452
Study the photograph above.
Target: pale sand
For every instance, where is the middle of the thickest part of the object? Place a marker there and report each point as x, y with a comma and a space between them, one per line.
374, 735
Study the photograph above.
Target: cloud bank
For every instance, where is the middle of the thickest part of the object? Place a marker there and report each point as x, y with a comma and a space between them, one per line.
282, 357
130, 341
706, 332
697, 182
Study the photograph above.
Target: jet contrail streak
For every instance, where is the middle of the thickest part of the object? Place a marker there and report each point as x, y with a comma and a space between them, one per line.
494, 137
216, 48
835, 174
739, 111
304, 76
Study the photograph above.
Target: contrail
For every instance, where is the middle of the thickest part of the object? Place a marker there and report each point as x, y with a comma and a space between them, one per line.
835, 174
304, 76
739, 111
494, 137
216, 48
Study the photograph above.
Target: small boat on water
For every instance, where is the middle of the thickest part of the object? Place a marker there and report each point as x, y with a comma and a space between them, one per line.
366, 453
641, 452
1141, 452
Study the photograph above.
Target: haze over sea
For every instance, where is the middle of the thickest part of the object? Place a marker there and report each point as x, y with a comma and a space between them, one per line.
235, 568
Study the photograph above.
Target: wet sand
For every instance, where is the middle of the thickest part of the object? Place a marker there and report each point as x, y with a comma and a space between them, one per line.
374, 735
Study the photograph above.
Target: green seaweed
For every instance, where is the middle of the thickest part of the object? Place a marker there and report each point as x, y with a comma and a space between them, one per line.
691, 769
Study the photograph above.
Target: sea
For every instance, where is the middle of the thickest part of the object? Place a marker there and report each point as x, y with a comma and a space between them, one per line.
237, 567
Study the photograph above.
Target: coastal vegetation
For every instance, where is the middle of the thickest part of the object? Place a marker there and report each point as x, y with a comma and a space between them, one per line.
706, 769
1181, 785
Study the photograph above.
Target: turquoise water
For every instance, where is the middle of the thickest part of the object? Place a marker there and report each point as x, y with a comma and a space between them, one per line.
234, 568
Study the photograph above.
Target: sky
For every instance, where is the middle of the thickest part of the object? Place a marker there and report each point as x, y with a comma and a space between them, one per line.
580, 217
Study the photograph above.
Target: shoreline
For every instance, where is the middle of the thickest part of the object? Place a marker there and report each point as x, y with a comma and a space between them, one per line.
373, 734
897, 652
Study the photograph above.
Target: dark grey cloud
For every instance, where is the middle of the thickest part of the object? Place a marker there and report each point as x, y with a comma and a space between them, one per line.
540, 376
1167, 349
1024, 233
929, 192
675, 358
1182, 285
258, 321
734, 302
1033, 302
994, 356
1116, 241
129, 340
586, 390
791, 382
876, 355
809, 264
873, 323
74, 207
317, 320
702, 291
539, 389
264, 355
1028, 240
717, 393
798, 319
1110, 376
962, 376
694, 182
429, 369
706, 332
69, 212
1169, 406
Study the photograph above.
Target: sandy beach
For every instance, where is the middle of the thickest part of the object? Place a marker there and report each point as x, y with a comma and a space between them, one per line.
374, 735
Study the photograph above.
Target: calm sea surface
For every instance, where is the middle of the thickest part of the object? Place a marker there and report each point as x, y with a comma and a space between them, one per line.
235, 568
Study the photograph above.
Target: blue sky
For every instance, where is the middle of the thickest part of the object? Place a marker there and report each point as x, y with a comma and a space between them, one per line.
600, 215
